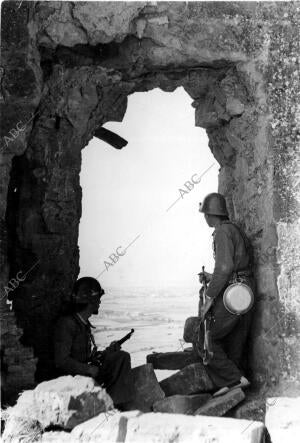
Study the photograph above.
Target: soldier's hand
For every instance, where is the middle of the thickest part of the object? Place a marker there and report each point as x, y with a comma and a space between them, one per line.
93, 371
204, 276
114, 347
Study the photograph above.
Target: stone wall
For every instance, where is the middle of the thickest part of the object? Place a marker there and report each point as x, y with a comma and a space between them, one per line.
78, 63
21, 81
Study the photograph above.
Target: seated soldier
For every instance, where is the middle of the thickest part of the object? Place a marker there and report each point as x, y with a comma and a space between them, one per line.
72, 346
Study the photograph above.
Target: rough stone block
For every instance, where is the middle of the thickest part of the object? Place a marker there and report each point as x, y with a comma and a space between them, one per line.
190, 328
108, 427
234, 106
181, 404
147, 388
64, 402
164, 428
206, 118
283, 419
218, 406
68, 401
220, 110
171, 360
190, 380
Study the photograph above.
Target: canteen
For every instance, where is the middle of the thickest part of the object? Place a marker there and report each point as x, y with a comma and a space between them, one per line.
238, 298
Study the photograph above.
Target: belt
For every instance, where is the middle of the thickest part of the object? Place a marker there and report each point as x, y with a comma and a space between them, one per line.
240, 274
244, 272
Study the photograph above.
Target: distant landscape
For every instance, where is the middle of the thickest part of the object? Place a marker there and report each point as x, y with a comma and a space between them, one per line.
157, 315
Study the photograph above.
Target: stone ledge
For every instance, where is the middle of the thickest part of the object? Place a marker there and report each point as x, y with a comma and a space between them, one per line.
110, 426
159, 427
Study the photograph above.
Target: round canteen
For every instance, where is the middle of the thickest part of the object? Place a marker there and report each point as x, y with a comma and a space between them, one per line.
238, 298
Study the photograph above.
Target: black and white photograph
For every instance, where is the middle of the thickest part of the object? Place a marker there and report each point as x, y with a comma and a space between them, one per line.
150, 221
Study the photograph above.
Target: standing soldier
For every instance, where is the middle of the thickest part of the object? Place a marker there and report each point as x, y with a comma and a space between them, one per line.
72, 346
228, 331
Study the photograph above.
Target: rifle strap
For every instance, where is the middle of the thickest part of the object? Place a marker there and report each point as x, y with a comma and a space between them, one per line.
88, 327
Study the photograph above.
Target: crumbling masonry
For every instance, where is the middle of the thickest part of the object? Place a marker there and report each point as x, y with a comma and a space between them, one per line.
67, 68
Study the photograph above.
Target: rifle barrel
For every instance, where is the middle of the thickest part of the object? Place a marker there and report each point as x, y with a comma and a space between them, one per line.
126, 337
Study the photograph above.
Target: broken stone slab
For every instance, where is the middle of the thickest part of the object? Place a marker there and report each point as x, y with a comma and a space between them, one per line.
108, 427
190, 380
171, 360
64, 402
181, 404
283, 419
146, 388
190, 329
159, 427
218, 406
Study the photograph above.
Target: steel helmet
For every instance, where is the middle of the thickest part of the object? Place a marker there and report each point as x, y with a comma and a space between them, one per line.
86, 290
214, 204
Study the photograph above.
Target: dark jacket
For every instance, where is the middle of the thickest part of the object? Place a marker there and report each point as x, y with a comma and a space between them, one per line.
231, 255
72, 346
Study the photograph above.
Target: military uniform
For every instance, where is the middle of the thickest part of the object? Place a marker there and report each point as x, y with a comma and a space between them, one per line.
72, 348
229, 332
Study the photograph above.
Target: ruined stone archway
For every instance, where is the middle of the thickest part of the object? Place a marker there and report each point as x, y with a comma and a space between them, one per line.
220, 56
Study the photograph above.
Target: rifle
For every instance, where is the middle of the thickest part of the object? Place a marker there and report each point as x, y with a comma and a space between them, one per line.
208, 354
97, 357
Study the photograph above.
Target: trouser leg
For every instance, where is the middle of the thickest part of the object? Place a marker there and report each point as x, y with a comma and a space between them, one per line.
221, 369
236, 341
117, 376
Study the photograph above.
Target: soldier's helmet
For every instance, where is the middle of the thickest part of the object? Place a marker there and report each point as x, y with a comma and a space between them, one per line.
86, 290
214, 204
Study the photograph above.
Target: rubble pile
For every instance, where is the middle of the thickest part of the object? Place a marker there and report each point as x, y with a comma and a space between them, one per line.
188, 391
76, 409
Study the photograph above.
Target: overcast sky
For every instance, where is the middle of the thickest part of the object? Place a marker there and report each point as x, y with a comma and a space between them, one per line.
127, 193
